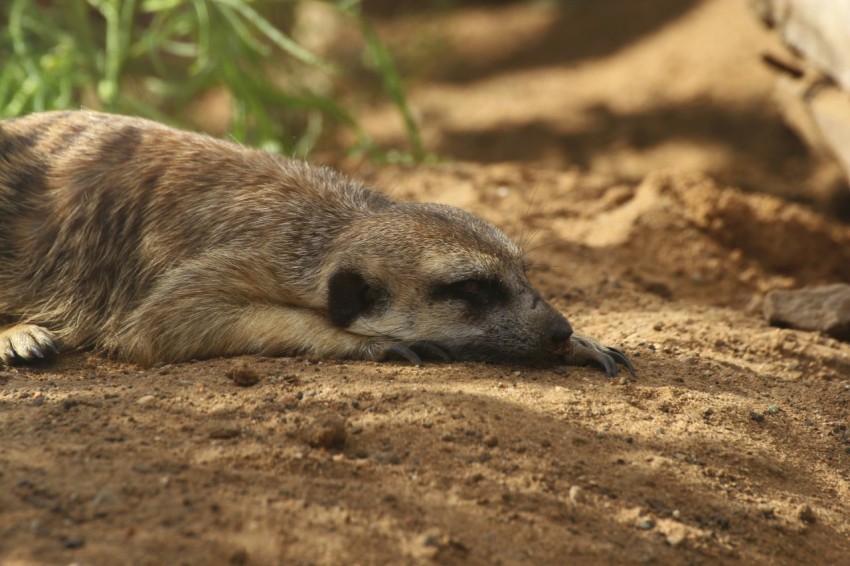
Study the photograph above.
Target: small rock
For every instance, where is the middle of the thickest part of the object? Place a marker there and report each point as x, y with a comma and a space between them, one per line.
145, 399
288, 401
825, 309
239, 558
676, 534
224, 433
327, 432
103, 497
757, 417
576, 494
645, 524
807, 514
71, 543
386, 457
427, 545
491, 441
242, 374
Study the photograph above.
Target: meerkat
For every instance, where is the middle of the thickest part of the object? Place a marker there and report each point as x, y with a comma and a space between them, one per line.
156, 245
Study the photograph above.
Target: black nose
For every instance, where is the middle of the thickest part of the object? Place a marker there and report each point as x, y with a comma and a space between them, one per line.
561, 332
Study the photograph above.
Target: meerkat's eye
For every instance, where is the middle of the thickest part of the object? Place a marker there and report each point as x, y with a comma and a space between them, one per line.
477, 293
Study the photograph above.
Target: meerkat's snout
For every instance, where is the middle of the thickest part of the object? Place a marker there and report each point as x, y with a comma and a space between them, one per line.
561, 332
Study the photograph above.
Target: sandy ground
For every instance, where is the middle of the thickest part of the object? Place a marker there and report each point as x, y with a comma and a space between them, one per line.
731, 445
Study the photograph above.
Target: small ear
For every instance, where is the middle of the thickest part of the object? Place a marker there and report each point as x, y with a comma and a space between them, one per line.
349, 296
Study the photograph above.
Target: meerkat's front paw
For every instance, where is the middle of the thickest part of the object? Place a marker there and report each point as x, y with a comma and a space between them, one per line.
582, 350
415, 352
26, 342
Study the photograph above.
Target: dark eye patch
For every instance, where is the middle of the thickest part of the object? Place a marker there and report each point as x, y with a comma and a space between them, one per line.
477, 293
350, 296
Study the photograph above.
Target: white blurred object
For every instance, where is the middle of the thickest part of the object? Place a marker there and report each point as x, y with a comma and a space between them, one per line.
819, 29
814, 91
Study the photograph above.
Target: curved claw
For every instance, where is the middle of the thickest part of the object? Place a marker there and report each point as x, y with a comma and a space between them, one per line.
585, 350
8, 354
431, 350
621, 358
54, 349
35, 352
402, 351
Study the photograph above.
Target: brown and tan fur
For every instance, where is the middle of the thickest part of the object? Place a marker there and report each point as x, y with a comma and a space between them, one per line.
157, 245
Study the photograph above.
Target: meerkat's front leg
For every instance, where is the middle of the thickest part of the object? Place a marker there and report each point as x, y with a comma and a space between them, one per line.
206, 328
217, 306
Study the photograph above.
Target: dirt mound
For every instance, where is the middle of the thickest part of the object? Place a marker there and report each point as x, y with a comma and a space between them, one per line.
715, 244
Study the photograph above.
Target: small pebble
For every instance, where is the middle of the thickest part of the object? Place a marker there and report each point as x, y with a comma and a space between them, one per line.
676, 534
242, 374
645, 524
288, 401
224, 433
239, 558
145, 399
71, 543
757, 417
807, 514
576, 494
327, 432
386, 457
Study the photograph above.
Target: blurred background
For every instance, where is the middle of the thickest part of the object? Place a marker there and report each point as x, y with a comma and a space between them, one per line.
613, 87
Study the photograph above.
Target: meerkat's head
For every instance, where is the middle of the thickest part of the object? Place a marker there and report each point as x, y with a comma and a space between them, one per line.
431, 273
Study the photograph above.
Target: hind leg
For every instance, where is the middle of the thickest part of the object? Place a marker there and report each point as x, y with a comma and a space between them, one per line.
26, 343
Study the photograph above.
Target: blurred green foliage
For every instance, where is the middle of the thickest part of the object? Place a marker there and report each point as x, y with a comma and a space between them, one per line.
156, 58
